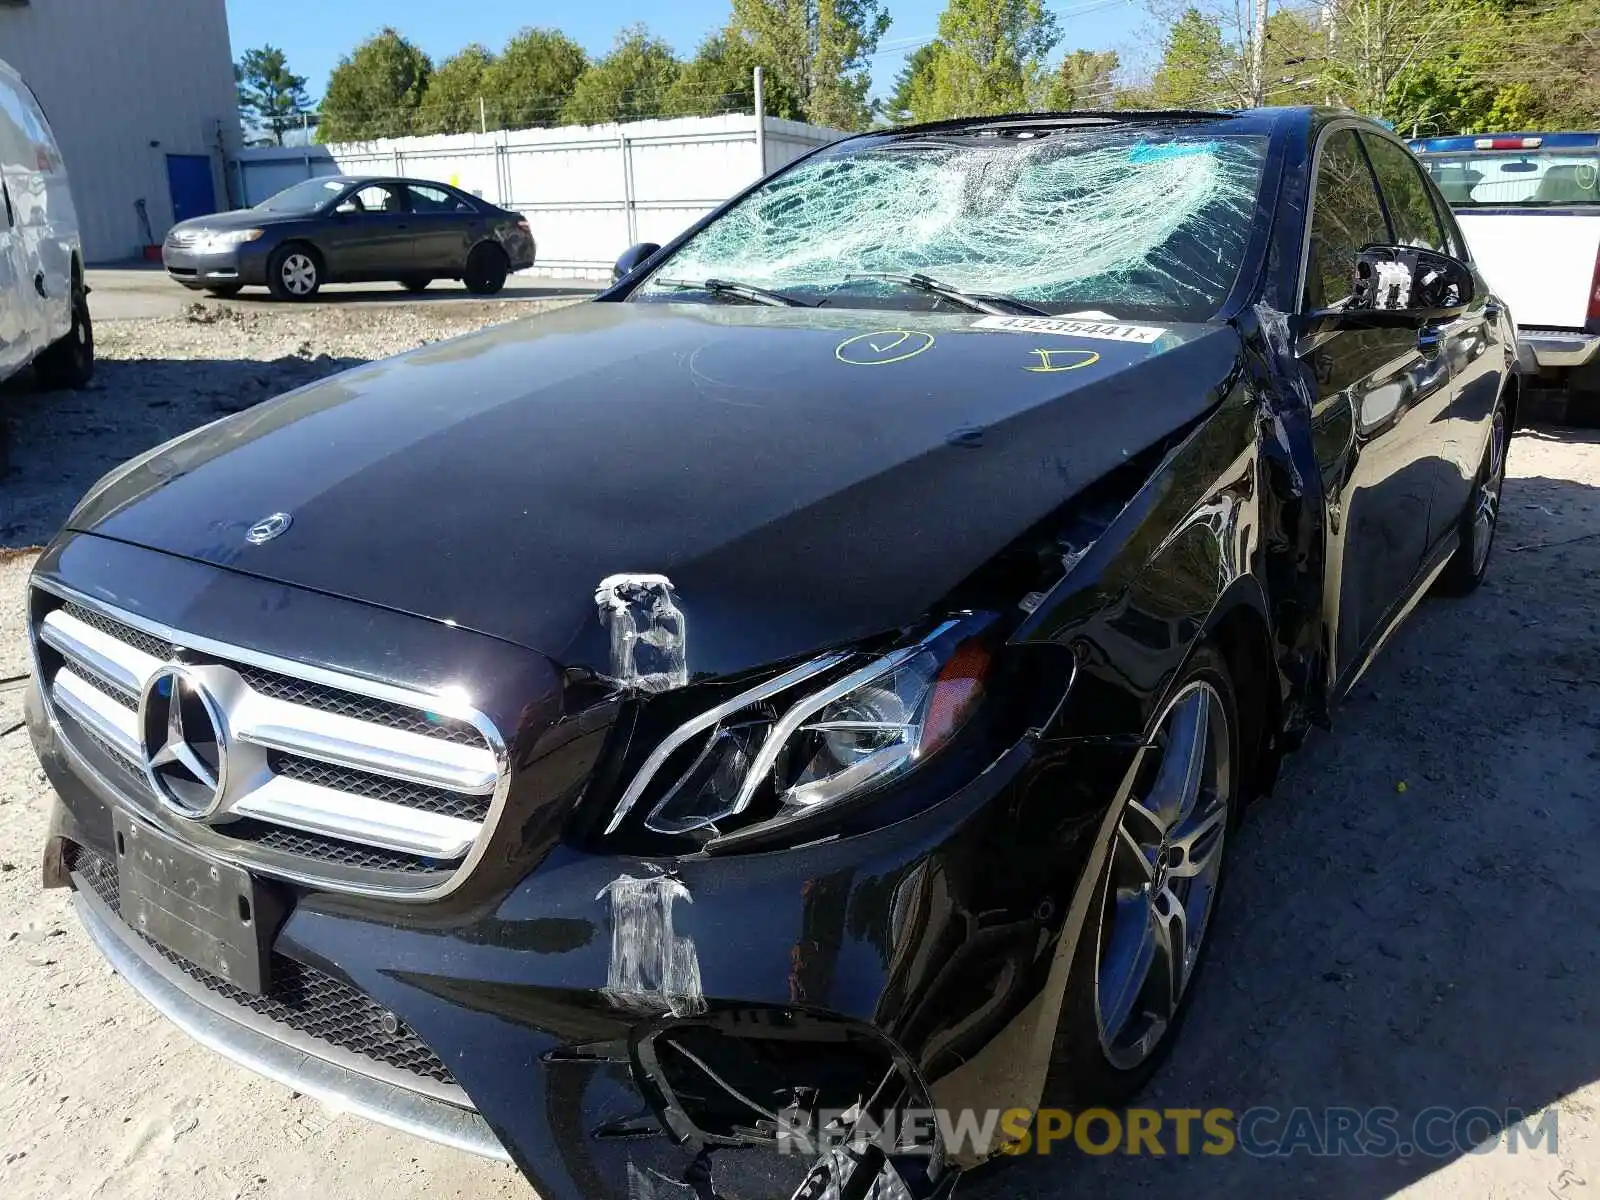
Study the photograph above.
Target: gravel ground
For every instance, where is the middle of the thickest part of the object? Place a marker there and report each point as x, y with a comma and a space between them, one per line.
1412, 920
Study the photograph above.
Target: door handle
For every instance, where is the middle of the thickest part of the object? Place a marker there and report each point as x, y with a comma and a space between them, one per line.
1491, 311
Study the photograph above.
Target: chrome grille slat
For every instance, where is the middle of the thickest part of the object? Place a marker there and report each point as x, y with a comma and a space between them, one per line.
156, 647
360, 783
313, 809
96, 711
384, 782
362, 708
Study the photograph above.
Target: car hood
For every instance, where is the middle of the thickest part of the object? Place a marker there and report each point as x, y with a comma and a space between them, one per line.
240, 218
802, 478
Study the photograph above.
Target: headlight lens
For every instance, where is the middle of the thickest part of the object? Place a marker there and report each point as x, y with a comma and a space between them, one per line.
229, 238
791, 747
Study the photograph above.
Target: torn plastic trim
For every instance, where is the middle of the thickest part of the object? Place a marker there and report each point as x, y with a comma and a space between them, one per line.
649, 632
1295, 509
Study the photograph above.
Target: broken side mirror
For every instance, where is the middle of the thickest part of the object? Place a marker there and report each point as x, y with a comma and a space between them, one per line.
1399, 287
630, 259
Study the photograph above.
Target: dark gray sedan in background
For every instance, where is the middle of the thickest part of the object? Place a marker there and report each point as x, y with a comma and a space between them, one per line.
343, 229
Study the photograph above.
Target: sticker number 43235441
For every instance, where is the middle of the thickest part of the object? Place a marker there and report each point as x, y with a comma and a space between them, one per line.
1110, 331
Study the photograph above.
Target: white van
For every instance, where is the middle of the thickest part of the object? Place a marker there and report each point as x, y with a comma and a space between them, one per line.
44, 308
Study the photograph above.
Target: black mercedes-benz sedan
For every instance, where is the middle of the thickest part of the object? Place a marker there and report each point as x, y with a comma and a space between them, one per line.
343, 229
770, 731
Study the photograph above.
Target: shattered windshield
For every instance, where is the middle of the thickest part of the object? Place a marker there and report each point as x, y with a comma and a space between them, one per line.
1142, 221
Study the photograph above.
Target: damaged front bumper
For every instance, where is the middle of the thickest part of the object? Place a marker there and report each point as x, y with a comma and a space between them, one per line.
614, 1026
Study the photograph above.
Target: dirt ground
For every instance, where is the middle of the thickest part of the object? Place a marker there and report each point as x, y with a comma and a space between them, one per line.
1412, 920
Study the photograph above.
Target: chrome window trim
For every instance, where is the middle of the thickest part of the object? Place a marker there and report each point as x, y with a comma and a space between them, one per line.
1323, 134
447, 705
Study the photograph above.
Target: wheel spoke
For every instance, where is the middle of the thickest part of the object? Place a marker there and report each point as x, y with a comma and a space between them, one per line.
1177, 784
1125, 961
1197, 845
1135, 861
1172, 946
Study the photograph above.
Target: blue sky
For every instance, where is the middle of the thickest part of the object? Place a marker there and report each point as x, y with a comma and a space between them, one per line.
314, 33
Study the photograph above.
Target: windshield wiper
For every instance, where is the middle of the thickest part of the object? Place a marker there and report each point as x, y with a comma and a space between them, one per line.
741, 291
999, 306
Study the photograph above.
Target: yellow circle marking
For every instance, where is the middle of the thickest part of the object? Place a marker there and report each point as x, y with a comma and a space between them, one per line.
882, 347
1049, 361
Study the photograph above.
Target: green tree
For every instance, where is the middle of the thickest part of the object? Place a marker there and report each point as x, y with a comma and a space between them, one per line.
1294, 58
272, 98
532, 78
821, 48
915, 78
628, 84
720, 78
450, 104
990, 58
1085, 79
1195, 64
375, 90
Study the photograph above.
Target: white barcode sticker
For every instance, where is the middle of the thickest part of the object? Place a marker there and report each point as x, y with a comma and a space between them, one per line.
1110, 331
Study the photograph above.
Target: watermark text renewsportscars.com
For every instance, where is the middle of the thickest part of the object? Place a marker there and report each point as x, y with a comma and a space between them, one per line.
1261, 1132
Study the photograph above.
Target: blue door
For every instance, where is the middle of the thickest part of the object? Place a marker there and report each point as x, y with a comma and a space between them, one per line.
189, 178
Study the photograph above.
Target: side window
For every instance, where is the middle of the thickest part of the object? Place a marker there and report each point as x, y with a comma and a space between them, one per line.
19, 108
1410, 207
435, 200
378, 198
1345, 216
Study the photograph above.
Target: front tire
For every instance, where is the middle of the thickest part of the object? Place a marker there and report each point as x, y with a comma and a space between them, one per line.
487, 268
294, 273
1144, 938
69, 363
1470, 563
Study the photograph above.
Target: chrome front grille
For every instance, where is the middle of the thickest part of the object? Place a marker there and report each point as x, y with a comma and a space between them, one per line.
182, 239
330, 779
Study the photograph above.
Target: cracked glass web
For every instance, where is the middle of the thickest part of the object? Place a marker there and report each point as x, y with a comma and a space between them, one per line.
1141, 221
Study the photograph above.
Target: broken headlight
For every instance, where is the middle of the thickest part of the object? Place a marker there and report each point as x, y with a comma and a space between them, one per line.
832, 728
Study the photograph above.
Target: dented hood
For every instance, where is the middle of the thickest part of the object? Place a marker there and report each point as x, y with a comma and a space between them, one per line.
801, 477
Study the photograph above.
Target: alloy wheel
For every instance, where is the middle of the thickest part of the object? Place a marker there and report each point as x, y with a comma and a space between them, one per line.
1166, 862
1487, 507
299, 274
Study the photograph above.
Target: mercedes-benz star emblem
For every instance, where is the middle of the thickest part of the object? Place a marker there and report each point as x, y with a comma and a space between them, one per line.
185, 747
268, 528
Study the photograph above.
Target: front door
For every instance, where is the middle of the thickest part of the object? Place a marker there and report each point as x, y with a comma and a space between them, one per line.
1373, 420
1469, 343
190, 183
370, 236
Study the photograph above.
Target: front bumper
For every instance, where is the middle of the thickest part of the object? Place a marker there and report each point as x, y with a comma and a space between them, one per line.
1552, 349
536, 1006
197, 269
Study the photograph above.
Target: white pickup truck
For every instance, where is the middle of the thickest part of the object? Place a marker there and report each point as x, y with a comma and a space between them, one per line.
1529, 206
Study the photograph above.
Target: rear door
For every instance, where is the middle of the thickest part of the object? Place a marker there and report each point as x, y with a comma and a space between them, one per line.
375, 240
444, 225
1375, 391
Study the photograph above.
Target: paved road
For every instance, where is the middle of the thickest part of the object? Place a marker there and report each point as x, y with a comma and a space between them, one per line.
121, 293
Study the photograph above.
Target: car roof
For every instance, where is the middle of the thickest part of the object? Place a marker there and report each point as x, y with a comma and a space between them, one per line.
1304, 119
